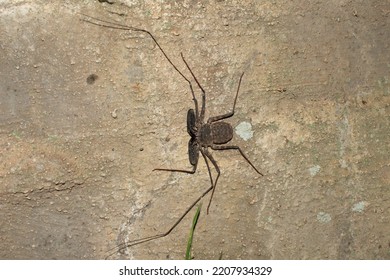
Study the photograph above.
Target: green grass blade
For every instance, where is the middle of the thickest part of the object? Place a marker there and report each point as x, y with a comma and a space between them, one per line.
190, 238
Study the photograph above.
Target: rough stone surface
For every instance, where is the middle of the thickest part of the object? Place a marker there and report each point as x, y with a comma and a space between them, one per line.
86, 113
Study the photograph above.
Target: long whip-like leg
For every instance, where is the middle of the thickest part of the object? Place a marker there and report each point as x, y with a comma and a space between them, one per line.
125, 245
114, 25
203, 108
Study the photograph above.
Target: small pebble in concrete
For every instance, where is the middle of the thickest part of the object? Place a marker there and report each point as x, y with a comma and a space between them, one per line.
114, 114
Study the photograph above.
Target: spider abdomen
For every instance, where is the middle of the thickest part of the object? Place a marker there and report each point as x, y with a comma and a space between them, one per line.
222, 132
215, 133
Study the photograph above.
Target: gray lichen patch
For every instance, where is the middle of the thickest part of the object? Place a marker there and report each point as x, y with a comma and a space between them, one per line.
324, 217
314, 170
244, 130
359, 206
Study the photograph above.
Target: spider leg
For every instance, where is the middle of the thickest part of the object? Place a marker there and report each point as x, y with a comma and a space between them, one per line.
227, 115
193, 154
203, 108
224, 147
178, 170
125, 245
114, 25
207, 154
208, 168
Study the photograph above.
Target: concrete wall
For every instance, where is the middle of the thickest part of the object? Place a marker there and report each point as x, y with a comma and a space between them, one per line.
86, 114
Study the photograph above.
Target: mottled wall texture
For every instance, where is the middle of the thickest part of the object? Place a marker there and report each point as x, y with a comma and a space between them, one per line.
87, 113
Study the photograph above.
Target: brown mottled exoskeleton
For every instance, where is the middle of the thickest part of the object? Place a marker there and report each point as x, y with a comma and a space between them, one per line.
213, 133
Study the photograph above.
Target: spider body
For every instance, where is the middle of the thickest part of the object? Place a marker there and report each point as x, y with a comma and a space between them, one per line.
204, 135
